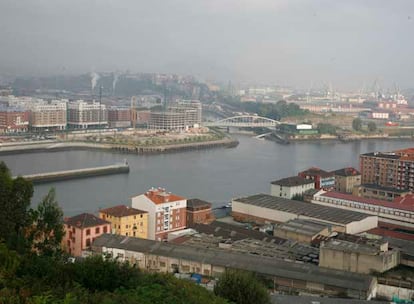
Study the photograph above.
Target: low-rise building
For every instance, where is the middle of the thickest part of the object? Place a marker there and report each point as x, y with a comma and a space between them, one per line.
80, 232
199, 212
398, 212
322, 179
354, 257
304, 231
291, 186
346, 179
126, 220
262, 208
167, 212
379, 192
286, 276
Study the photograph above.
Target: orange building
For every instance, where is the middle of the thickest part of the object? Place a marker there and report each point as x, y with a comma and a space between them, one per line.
81, 230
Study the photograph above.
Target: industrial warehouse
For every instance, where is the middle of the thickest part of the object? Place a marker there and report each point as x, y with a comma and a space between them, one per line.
262, 208
288, 276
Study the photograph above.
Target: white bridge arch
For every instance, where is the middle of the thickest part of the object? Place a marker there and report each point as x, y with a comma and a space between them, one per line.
244, 121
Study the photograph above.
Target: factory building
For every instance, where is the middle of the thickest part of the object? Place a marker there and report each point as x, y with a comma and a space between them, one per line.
362, 258
398, 212
304, 231
262, 208
287, 276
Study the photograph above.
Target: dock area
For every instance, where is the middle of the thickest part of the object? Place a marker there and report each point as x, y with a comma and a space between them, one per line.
47, 177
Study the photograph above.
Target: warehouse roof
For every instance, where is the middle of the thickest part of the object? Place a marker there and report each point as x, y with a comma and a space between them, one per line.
259, 264
319, 212
305, 227
293, 181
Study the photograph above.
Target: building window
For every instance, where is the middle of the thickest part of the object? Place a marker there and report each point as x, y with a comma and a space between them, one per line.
88, 242
88, 232
162, 264
97, 230
105, 229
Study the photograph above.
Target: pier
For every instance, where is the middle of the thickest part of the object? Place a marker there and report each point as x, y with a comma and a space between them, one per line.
77, 173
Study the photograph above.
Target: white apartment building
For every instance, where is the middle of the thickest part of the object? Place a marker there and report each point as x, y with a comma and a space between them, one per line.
167, 212
82, 115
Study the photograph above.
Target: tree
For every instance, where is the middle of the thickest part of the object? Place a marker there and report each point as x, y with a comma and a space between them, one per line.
357, 124
241, 287
372, 127
47, 229
15, 196
326, 128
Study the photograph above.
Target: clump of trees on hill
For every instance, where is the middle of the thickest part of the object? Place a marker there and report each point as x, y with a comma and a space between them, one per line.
34, 270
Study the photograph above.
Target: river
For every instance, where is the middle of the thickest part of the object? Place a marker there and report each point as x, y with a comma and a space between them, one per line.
215, 175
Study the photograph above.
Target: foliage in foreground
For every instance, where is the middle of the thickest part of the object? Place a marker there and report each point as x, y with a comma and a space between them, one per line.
44, 279
241, 287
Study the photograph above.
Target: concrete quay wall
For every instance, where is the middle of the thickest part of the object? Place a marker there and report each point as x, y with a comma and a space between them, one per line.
79, 173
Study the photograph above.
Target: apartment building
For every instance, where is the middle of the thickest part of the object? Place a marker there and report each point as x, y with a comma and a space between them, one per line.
119, 117
346, 179
83, 115
199, 212
322, 179
166, 212
390, 169
80, 232
13, 120
48, 115
126, 220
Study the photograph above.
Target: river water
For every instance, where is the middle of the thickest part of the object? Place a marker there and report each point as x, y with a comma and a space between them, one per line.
215, 175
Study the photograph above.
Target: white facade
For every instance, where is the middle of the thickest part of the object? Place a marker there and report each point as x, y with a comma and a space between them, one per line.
387, 214
290, 191
154, 210
82, 114
278, 216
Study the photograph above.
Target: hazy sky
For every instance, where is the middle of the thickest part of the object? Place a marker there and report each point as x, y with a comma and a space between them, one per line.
293, 42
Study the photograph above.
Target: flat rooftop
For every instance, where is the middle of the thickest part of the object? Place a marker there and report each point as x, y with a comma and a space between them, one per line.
319, 212
390, 155
258, 264
345, 246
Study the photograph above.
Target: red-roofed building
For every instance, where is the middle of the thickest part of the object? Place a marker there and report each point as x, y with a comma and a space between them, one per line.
166, 212
81, 230
398, 212
323, 179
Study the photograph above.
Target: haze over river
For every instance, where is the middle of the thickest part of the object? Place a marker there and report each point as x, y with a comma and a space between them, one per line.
215, 175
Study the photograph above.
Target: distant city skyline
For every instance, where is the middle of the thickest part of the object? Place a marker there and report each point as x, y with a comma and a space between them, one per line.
348, 44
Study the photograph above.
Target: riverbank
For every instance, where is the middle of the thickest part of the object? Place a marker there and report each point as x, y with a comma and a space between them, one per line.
55, 146
347, 139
